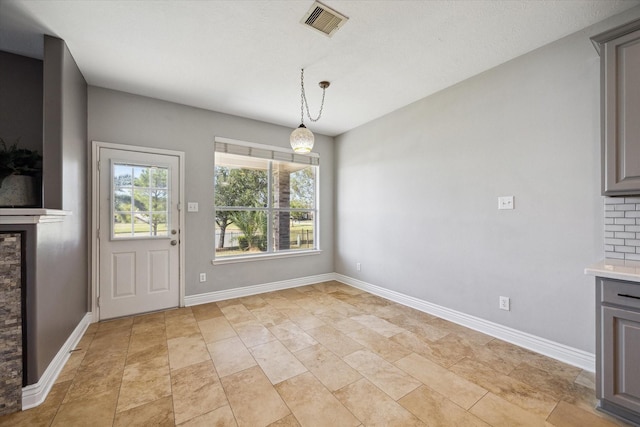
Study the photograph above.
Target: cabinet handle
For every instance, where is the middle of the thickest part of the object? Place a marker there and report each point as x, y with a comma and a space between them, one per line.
628, 296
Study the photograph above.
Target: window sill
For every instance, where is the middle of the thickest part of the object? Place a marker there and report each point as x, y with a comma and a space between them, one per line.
234, 260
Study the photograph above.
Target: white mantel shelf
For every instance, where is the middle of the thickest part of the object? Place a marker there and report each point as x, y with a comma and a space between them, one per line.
616, 269
31, 216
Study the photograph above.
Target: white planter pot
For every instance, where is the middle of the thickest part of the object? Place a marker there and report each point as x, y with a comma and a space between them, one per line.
19, 191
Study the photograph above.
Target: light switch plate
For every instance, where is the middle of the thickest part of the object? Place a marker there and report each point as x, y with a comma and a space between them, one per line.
192, 206
505, 202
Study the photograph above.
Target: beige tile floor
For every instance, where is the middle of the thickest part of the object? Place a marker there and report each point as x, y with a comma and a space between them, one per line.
320, 355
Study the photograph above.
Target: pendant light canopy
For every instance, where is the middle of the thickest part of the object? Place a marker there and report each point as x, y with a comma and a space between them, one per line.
302, 139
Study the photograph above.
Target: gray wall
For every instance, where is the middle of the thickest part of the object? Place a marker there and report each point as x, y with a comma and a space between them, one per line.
62, 263
54, 52
21, 100
123, 118
416, 193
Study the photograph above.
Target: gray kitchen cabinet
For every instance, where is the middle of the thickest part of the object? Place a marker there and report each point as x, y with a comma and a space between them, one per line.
618, 348
620, 112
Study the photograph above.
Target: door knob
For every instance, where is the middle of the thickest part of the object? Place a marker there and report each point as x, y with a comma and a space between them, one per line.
174, 231
174, 242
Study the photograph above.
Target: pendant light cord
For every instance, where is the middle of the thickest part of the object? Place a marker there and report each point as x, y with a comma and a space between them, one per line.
304, 102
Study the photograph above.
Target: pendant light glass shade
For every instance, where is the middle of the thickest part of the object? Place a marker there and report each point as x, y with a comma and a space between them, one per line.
302, 140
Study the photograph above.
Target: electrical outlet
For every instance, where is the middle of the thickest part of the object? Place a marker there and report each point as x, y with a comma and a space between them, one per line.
203, 277
358, 266
504, 303
505, 202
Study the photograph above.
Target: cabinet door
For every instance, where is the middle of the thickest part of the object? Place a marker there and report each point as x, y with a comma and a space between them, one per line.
621, 114
621, 357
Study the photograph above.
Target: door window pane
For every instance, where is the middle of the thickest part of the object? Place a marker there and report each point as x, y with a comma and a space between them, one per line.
140, 201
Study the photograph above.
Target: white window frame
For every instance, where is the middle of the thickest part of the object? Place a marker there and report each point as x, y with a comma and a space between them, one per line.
170, 190
273, 153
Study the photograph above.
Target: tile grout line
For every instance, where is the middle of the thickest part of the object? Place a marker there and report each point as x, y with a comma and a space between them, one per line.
166, 341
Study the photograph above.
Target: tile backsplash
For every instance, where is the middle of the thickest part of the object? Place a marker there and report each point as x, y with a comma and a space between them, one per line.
622, 228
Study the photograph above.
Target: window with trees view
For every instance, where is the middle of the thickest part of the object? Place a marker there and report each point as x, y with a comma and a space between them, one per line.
263, 205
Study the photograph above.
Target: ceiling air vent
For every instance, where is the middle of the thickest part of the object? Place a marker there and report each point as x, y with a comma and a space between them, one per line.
323, 19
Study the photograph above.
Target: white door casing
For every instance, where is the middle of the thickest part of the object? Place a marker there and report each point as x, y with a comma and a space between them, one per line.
137, 195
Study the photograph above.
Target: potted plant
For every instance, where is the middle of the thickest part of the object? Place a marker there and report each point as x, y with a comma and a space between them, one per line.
20, 173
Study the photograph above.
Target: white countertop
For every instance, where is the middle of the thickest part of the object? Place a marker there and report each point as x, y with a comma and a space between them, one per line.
616, 269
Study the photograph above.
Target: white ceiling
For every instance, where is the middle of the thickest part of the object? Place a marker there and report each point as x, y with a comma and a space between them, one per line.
244, 57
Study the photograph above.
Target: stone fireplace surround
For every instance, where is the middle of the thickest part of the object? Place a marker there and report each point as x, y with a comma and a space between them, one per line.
11, 372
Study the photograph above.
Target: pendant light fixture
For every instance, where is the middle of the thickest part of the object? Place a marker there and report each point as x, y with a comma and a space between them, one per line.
302, 138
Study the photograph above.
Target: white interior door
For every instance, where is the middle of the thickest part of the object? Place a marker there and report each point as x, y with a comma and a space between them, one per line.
139, 236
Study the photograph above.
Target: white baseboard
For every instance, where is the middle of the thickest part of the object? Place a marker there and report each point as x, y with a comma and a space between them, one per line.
561, 352
246, 291
34, 394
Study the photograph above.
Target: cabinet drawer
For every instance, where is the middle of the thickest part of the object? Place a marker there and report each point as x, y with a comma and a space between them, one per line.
620, 293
